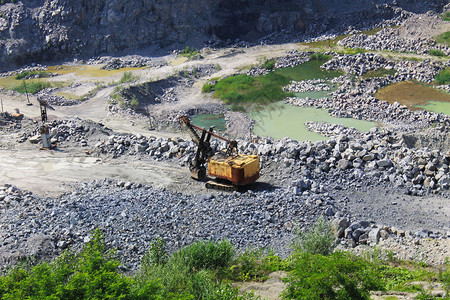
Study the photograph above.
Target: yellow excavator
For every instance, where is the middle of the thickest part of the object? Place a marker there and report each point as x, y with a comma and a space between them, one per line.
230, 169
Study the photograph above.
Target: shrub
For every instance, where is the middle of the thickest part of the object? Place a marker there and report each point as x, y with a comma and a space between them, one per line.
269, 64
319, 239
127, 77
446, 16
207, 255
255, 264
443, 77
436, 52
91, 274
31, 87
338, 276
32, 74
190, 53
134, 102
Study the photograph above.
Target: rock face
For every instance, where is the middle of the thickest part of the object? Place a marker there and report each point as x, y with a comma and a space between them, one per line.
50, 30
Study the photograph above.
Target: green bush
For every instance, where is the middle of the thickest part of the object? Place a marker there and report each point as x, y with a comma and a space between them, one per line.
436, 52
446, 16
31, 87
190, 53
127, 77
255, 264
338, 276
32, 74
206, 255
91, 274
443, 77
319, 239
269, 64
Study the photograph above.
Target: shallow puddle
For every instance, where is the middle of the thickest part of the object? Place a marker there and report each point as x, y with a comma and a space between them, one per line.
284, 120
415, 96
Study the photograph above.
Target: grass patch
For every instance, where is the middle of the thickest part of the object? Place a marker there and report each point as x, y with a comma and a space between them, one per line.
351, 51
446, 16
31, 87
443, 77
443, 38
241, 91
320, 56
436, 52
32, 74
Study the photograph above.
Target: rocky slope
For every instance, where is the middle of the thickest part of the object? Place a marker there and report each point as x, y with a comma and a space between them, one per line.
51, 30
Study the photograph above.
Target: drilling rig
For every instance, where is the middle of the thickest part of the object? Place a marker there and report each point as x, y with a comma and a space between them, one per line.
229, 169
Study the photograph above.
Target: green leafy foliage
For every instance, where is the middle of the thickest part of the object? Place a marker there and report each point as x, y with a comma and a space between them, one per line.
446, 16
436, 52
319, 239
127, 77
190, 53
255, 264
31, 87
338, 276
269, 64
443, 77
91, 274
32, 74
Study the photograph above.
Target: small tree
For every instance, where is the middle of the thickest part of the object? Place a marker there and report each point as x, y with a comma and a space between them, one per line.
319, 239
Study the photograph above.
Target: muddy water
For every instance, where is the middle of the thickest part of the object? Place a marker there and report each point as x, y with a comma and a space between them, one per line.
416, 96
284, 120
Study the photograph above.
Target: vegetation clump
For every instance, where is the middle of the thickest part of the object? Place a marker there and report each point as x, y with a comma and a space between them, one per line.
127, 77
190, 53
203, 270
443, 77
446, 16
33, 74
269, 64
31, 87
443, 38
436, 52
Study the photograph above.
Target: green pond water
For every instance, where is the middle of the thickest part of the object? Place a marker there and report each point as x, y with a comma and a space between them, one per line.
208, 120
284, 120
308, 70
437, 107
